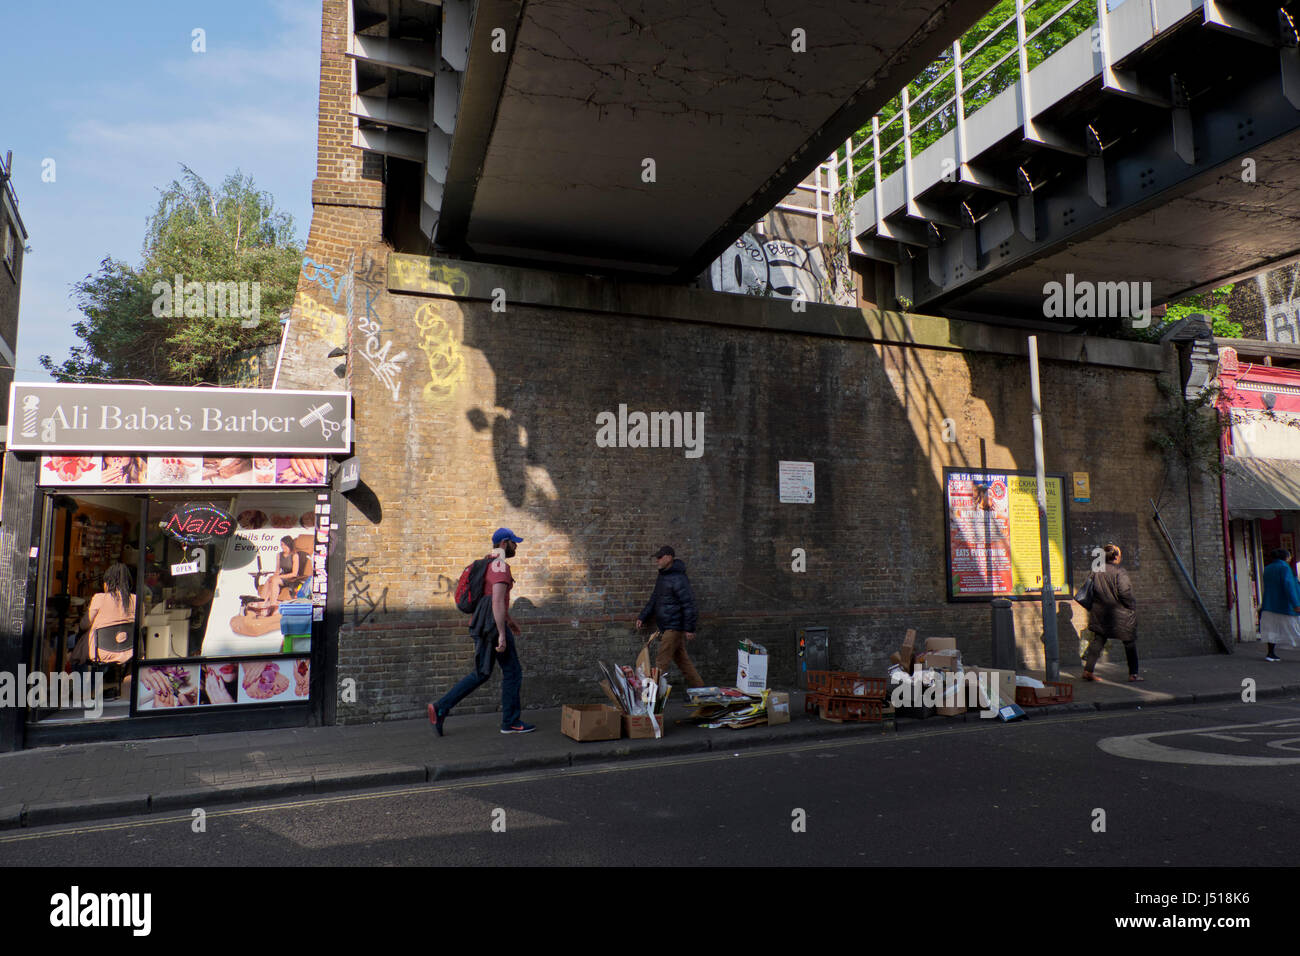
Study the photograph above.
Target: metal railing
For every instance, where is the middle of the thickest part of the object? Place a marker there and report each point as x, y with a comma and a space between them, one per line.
823, 187
894, 135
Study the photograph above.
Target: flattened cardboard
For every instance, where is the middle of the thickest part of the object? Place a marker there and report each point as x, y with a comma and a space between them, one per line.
609, 692
908, 649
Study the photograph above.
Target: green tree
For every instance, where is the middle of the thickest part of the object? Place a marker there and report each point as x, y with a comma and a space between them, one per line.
230, 235
1212, 304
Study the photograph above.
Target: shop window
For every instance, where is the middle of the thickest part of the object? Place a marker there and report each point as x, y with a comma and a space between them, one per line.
222, 588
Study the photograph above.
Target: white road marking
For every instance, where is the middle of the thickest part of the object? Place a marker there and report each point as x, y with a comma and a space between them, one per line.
1144, 747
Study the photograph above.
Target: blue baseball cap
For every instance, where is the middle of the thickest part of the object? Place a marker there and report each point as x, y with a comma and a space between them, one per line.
503, 534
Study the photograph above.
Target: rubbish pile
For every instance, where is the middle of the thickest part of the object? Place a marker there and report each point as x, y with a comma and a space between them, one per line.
937, 680
845, 696
717, 707
639, 693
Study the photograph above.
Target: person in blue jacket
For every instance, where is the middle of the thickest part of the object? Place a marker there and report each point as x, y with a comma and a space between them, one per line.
1279, 611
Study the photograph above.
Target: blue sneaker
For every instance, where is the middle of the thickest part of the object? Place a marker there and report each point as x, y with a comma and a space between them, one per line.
518, 727
436, 719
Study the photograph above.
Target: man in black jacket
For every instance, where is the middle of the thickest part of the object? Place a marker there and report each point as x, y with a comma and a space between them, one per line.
673, 607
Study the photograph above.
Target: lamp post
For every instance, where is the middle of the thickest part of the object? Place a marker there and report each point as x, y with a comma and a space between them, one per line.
1051, 649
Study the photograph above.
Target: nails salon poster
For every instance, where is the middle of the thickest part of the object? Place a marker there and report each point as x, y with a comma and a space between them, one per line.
263, 598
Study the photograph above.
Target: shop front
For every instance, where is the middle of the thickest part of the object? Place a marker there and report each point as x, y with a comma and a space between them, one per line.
170, 559
1261, 491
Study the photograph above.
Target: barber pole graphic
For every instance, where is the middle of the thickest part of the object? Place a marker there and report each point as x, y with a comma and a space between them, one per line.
31, 405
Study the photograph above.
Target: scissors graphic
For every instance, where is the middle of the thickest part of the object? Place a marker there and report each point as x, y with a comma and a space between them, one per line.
327, 427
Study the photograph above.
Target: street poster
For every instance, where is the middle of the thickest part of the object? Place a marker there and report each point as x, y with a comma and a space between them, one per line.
993, 540
796, 483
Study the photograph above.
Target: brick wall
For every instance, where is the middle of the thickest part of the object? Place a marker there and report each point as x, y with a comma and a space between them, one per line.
1252, 300
347, 199
470, 418
10, 285
490, 419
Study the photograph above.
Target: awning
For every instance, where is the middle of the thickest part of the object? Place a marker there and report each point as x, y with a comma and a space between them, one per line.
1261, 487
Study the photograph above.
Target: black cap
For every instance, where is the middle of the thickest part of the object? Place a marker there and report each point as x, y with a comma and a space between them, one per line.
665, 550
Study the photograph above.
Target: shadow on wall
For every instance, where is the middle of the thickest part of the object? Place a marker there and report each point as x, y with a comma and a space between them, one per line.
872, 425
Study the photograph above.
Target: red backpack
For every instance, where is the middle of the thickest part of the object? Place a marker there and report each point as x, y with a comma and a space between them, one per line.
469, 589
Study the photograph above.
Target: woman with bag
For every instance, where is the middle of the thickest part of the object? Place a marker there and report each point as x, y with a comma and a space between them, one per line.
1112, 613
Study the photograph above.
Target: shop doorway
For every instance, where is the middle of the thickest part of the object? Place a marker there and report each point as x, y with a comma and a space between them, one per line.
1252, 542
89, 536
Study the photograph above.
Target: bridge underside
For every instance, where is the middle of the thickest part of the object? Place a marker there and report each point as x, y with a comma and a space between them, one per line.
733, 102
1186, 194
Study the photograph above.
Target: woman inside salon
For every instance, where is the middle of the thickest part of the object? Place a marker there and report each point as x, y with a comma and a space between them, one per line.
109, 621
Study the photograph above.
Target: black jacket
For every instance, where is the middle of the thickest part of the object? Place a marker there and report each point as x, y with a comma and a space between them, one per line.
671, 603
1114, 612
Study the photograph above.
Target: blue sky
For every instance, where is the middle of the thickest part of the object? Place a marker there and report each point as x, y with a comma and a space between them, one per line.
116, 96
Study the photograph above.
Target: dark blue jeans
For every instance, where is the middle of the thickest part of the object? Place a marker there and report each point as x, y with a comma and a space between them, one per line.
512, 679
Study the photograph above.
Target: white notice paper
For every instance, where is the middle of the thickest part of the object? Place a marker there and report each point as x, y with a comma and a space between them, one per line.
796, 483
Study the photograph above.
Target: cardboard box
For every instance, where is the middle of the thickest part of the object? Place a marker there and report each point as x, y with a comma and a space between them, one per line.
940, 644
943, 660
591, 722
908, 650
778, 709
1003, 680
954, 700
751, 667
638, 727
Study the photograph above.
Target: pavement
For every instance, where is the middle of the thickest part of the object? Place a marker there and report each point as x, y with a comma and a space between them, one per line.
78, 782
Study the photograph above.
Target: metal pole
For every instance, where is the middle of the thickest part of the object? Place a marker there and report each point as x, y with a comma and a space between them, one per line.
284, 337
1187, 579
1051, 650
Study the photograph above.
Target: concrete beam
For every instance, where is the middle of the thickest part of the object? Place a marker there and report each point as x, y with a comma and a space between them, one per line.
480, 98
401, 145
455, 34
407, 113
410, 56
477, 281
1221, 16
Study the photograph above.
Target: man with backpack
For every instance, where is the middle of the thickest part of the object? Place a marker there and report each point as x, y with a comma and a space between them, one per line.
483, 592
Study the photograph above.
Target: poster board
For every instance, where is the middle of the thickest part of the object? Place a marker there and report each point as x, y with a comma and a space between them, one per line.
991, 534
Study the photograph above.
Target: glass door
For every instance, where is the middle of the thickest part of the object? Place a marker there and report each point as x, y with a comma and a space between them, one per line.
86, 611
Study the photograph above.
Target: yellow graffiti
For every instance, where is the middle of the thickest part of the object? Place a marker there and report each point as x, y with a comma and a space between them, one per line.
446, 363
313, 317
420, 274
